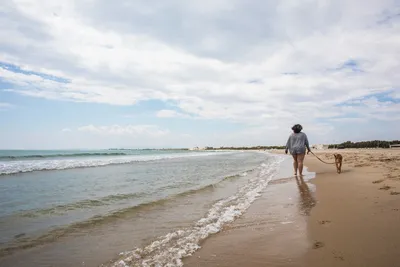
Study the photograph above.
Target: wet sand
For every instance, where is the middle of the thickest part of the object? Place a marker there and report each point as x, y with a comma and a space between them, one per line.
270, 233
352, 219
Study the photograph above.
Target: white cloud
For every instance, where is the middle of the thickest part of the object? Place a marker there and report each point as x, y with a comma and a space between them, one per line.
395, 94
349, 120
134, 130
373, 108
122, 53
66, 130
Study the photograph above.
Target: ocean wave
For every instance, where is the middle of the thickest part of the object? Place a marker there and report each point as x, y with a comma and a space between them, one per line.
110, 199
22, 166
82, 204
216, 210
169, 250
62, 155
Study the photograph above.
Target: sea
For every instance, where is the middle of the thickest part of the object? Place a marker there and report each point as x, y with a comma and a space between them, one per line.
122, 207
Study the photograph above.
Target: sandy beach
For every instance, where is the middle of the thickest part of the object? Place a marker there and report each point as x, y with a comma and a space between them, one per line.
347, 219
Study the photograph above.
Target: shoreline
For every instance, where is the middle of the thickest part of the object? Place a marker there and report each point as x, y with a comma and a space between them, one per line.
351, 219
273, 226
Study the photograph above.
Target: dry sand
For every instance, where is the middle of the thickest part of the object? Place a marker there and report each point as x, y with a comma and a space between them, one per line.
351, 219
357, 219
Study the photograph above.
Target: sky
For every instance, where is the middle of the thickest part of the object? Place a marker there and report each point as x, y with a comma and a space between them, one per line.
178, 73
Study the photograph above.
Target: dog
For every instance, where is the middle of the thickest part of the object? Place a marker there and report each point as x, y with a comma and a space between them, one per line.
338, 162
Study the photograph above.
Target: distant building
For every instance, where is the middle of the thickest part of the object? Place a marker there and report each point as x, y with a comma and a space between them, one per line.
396, 146
198, 148
320, 146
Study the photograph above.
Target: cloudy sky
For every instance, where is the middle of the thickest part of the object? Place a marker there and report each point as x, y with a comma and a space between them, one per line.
178, 73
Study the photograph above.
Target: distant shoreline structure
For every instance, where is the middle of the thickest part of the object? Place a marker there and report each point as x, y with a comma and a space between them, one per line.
362, 144
236, 148
347, 144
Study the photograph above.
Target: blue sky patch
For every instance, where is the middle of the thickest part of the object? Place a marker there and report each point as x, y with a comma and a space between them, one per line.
381, 97
17, 69
352, 65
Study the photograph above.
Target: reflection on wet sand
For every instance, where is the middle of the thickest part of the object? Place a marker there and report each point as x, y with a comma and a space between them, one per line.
307, 201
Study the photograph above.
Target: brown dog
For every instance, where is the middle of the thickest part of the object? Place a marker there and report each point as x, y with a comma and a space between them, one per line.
338, 162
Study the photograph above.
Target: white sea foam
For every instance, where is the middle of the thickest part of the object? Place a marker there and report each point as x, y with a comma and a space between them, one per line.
19, 166
169, 250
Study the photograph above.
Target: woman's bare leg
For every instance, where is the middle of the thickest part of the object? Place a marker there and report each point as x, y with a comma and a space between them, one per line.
300, 160
295, 164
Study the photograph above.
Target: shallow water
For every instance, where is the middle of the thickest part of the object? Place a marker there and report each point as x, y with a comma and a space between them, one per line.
272, 232
157, 210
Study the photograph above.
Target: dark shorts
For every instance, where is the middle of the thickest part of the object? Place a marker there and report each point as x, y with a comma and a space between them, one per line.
298, 150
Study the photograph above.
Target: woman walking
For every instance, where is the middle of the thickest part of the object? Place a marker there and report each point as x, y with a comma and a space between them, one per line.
297, 144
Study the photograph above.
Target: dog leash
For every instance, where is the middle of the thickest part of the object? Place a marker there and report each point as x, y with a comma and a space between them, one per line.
321, 159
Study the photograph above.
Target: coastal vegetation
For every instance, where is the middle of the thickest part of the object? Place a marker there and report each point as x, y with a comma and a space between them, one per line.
246, 148
347, 144
365, 144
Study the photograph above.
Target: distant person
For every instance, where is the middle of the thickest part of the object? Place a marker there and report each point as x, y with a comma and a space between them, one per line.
297, 144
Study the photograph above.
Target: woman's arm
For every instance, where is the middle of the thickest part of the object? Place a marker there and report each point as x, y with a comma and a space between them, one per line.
307, 144
287, 144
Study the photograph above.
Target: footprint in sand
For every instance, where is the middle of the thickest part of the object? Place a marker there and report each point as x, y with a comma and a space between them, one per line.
318, 244
324, 222
378, 181
394, 193
385, 187
338, 256
19, 235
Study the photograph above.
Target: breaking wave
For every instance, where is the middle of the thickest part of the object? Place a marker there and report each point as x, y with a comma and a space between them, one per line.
30, 242
169, 250
62, 155
21, 166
